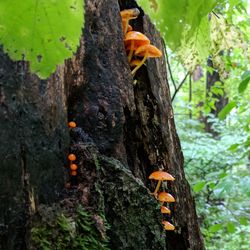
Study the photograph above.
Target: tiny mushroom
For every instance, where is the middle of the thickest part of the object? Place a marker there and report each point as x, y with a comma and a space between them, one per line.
71, 157
146, 51
72, 124
127, 15
134, 63
73, 167
165, 197
133, 40
160, 176
165, 210
168, 226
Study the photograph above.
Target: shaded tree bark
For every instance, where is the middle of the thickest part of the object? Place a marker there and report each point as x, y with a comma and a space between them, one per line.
124, 133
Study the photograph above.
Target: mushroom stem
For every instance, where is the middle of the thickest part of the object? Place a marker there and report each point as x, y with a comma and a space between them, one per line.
141, 63
131, 51
126, 27
157, 188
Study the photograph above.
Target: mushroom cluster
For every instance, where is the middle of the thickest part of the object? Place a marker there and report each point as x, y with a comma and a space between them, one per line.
137, 45
72, 166
162, 197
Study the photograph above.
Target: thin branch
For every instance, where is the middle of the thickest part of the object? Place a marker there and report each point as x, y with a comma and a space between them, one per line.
180, 85
169, 68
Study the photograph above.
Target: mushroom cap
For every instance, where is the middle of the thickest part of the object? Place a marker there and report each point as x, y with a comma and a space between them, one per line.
72, 124
130, 13
161, 176
165, 210
134, 63
71, 157
138, 38
151, 51
168, 225
165, 197
73, 167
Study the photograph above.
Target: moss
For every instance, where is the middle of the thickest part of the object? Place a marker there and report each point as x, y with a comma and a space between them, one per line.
80, 230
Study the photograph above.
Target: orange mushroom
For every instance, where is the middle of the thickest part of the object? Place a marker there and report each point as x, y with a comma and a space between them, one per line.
165, 197
129, 28
72, 124
146, 51
127, 15
165, 210
73, 167
160, 176
168, 226
134, 40
134, 63
71, 157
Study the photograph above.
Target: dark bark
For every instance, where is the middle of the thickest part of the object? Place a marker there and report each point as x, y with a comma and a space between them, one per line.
124, 132
32, 150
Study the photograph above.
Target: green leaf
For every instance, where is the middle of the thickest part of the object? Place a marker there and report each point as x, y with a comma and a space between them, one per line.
199, 186
215, 228
234, 147
226, 110
243, 221
44, 32
177, 19
245, 80
231, 227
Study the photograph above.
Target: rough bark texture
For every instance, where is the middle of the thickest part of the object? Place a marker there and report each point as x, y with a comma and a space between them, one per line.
124, 133
33, 140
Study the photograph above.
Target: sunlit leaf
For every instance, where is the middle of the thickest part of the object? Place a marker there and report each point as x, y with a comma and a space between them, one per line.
244, 83
226, 110
231, 227
243, 221
199, 186
215, 228
43, 32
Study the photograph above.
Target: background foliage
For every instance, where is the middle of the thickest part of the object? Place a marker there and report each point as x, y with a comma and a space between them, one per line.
217, 163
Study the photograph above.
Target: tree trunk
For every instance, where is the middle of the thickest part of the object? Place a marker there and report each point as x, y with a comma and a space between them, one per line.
124, 132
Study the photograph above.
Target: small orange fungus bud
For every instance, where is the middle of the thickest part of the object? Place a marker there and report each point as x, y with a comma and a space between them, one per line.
73, 173
71, 157
72, 124
73, 167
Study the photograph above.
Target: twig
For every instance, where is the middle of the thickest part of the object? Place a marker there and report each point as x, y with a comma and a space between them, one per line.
180, 85
169, 68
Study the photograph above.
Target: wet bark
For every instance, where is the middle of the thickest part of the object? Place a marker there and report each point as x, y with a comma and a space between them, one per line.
124, 132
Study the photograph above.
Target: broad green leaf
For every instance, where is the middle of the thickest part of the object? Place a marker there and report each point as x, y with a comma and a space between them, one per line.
231, 227
243, 221
177, 19
215, 228
234, 147
226, 110
245, 80
44, 32
199, 186
222, 175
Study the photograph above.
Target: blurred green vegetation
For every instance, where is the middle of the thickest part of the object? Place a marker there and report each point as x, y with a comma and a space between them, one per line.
217, 163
